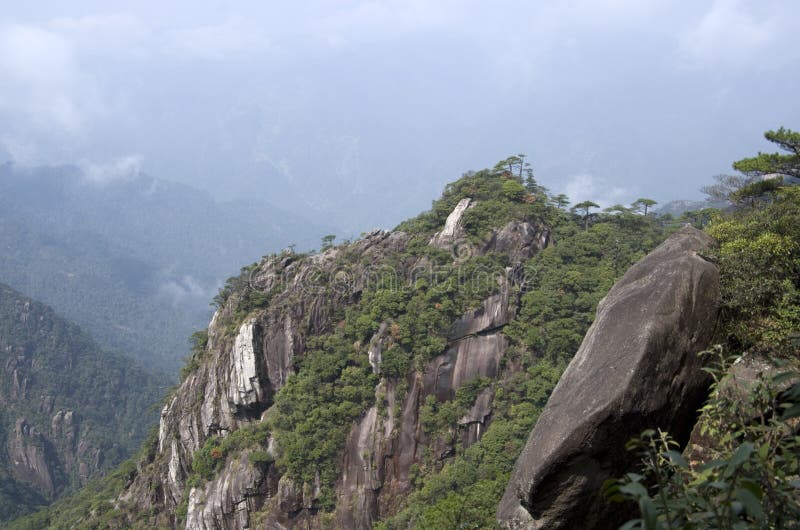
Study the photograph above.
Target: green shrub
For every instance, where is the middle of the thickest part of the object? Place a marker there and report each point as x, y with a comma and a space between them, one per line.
513, 190
752, 479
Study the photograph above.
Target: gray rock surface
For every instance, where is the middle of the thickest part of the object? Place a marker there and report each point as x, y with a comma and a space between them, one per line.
29, 463
519, 239
452, 230
637, 368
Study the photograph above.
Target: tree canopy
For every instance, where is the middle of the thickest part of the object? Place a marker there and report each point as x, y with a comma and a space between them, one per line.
585, 206
774, 163
641, 205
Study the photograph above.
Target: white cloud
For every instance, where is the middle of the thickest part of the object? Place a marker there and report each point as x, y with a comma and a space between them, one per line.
217, 42
120, 169
42, 88
384, 20
185, 289
116, 35
728, 35
586, 187
31, 54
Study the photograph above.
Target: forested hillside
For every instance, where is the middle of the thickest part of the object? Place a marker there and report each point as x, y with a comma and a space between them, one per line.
133, 260
69, 411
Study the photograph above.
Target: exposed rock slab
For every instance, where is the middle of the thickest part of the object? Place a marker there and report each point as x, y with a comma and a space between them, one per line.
452, 230
227, 501
519, 239
637, 368
492, 315
29, 463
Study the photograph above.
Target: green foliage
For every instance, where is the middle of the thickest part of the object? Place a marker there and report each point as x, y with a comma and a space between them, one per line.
642, 205
759, 259
749, 194
513, 190
327, 241
585, 207
395, 362
313, 413
770, 163
465, 493
564, 283
260, 458
751, 480
198, 342
234, 284
110, 395
208, 460
497, 196
514, 165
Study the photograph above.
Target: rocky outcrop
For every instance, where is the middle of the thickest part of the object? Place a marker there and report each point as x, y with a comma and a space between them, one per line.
244, 385
30, 462
520, 239
637, 368
453, 230
227, 501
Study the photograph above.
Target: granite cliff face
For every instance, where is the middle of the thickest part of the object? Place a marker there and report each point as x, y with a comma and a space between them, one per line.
249, 358
636, 369
68, 410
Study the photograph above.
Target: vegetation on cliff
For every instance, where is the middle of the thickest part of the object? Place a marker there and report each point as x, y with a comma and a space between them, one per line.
749, 474
553, 294
557, 299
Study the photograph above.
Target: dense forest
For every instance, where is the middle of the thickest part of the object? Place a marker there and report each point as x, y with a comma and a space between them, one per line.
70, 411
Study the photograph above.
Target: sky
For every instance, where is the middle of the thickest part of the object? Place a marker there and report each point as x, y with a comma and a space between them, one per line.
357, 113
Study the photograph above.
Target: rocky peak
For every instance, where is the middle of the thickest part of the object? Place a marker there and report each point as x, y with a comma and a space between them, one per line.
249, 358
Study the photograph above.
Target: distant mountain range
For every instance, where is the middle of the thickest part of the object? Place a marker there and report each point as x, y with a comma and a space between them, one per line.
679, 207
134, 260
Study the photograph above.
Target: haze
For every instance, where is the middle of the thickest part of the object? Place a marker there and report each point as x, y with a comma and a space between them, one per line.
355, 114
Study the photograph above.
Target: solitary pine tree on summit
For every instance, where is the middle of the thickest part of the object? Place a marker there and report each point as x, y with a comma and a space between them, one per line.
585, 206
641, 205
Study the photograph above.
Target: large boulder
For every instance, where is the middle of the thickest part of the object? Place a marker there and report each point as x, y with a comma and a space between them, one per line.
637, 368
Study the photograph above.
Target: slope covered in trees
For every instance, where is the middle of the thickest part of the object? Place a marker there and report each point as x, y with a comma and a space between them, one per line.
68, 410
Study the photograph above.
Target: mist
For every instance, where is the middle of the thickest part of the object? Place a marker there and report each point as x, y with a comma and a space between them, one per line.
355, 114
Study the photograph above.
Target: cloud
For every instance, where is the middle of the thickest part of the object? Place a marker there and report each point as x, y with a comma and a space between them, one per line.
374, 20
116, 35
587, 187
184, 290
40, 78
236, 35
729, 35
123, 168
